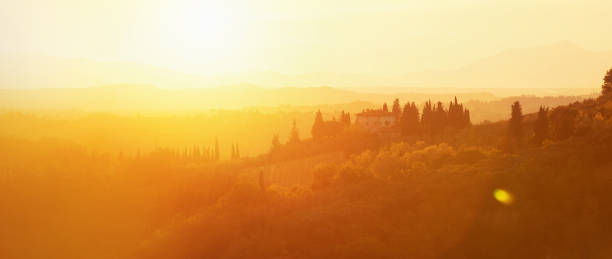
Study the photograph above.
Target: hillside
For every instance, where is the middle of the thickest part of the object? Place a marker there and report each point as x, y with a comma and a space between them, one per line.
470, 193
498, 109
425, 201
235, 129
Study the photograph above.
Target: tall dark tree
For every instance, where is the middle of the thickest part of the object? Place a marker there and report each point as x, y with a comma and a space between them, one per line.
427, 117
294, 135
541, 126
453, 115
409, 121
404, 121
318, 130
439, 118
216, 149
346, 119
417, 117
396, 109
275, 143
457, 116
516, 122
606, 88
466, 118
385, 108
237, 151
563, 120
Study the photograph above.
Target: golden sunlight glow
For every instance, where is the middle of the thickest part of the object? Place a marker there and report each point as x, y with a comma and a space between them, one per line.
157, 129
202, 24
206, 34
503, 196
311, 43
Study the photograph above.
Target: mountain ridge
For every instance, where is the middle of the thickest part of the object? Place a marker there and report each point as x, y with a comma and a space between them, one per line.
527, 67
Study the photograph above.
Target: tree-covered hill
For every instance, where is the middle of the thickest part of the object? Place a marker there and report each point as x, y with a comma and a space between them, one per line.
534, 186
507, 197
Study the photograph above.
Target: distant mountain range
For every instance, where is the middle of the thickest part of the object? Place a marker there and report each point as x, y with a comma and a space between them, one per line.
143, 97
562, 65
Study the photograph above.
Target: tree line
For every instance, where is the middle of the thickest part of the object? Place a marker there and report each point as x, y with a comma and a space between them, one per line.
433, 119
196, 153
561, 122
321, 128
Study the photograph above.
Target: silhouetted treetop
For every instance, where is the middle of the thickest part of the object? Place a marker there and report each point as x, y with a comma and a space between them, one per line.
396, 109
516, 122
541, 126
294, 135
317, 126
606, 87
322, 128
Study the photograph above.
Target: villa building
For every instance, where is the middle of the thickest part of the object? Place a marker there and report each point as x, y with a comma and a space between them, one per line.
375, 121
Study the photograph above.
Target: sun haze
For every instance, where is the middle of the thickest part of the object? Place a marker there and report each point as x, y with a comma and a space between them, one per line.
384, 41
297, 129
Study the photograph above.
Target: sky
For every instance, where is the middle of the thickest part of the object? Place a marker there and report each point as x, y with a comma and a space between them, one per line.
383, 37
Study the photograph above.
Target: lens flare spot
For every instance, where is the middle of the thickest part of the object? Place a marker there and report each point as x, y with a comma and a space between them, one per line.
503, 196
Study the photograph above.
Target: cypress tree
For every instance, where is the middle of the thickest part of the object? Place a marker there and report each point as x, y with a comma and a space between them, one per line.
347, 119
426, 117
237, 151
396, 109
466, 118
415, 115
275, 142
541, 126
516, 122
294, 135
440, 118
409, 122
216, 149
606, 87
453, 116
317, 130
405, 119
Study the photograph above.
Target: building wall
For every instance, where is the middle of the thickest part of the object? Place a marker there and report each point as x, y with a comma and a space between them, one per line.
373, 123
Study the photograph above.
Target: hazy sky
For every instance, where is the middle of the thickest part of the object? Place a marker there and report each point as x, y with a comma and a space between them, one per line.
376, 37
